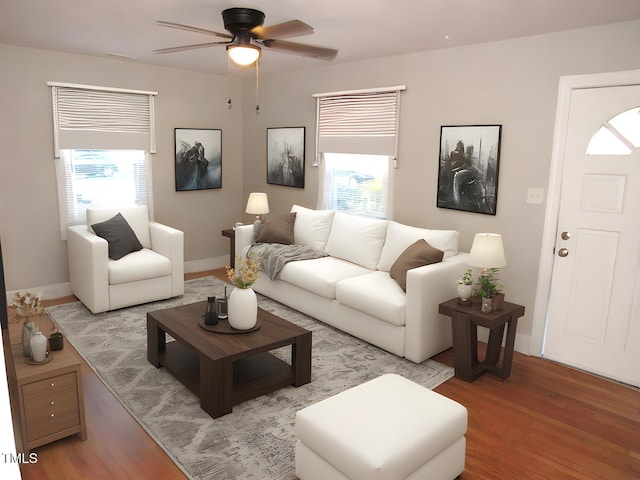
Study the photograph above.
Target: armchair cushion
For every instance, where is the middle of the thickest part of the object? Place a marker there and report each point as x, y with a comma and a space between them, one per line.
119, 235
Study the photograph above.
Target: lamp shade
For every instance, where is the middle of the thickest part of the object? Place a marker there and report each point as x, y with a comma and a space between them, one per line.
258, 204
487, 251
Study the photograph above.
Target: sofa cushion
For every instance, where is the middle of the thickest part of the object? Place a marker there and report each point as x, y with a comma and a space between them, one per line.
137, 217
119, 236
375, 294
277, 228
400, 236
136, 266
357, 239
312, 227
416, 255
320, 275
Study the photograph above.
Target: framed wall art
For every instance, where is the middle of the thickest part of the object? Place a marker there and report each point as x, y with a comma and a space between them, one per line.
285, 156
198, 158
468, 167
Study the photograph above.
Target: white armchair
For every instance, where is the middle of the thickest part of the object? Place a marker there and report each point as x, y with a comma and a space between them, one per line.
153, 273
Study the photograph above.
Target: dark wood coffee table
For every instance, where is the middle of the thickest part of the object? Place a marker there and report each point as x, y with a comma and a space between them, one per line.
223, 369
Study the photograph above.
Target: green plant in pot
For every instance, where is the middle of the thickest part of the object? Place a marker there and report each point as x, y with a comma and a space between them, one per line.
465, 287
488, 288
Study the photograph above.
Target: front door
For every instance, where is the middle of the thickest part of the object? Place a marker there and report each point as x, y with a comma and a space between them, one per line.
593, 320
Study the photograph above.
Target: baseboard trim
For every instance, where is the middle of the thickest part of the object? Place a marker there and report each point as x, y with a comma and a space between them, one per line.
521, 343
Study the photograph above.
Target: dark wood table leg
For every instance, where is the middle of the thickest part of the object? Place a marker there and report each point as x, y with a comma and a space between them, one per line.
494, 345
301, 359
508, 347
156, 342
216, 386
465, 346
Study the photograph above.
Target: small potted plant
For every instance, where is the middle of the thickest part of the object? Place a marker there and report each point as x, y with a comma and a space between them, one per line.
465, 287
488, 288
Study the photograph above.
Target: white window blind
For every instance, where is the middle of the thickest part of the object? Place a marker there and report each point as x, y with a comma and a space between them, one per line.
359, 121
91, 117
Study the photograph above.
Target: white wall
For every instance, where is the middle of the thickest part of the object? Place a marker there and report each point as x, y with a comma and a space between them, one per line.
513, 83
34, 255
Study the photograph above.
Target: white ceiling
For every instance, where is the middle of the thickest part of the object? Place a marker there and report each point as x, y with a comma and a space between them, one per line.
359, 29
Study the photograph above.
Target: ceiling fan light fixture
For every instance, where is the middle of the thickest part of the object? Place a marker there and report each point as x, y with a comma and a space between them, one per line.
244, 55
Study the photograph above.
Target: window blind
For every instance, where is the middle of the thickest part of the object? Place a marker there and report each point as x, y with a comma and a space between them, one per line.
91, 117
360, 121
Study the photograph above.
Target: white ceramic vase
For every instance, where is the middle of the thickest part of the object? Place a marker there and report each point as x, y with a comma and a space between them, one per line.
242, 308
465, 292
38, 347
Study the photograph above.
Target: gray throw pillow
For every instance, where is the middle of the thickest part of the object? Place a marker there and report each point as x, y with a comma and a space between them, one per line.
417, 254
119, 235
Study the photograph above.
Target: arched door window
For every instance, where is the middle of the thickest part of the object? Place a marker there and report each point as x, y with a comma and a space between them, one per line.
619, 136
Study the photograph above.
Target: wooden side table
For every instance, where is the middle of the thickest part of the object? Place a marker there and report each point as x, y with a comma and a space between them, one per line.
50, 398
230, 233
464, 326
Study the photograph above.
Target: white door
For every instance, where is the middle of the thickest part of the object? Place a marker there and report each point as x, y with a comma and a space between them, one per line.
593, 320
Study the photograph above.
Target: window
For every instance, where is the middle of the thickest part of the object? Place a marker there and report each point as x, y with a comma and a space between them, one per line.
102, 140
356, 183
357, 138
100, 178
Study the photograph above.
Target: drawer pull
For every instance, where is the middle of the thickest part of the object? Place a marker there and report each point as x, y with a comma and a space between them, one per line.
53, 403
53, 384
52, 415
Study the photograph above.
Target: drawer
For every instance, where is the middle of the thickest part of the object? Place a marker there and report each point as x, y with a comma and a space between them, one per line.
51, 405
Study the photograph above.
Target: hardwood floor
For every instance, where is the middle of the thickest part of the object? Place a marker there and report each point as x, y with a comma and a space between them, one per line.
545, 422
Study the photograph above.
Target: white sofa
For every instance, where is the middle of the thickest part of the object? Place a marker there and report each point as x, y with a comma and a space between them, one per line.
352, 290
154, 272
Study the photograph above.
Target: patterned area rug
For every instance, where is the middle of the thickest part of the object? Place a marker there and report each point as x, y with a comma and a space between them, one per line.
255, 441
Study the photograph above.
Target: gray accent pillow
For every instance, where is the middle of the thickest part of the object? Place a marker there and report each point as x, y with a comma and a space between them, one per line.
417, 254
277, 228
119, 235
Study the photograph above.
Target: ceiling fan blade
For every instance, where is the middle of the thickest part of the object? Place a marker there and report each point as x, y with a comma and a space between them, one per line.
189, 47
292, 28
300, 49
192, 29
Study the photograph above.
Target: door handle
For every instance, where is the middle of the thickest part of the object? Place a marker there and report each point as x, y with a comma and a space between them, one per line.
565, 235
563, 252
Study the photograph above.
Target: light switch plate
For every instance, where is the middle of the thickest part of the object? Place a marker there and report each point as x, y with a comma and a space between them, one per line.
535, 195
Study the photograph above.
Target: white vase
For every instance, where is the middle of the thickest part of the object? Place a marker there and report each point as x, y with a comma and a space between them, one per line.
242, 308
465, 292
38, 347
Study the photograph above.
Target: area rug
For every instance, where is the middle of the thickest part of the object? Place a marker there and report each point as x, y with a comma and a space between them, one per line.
256, 440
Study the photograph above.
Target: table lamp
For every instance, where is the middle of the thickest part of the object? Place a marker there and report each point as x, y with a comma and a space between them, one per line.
258, 205
487, 253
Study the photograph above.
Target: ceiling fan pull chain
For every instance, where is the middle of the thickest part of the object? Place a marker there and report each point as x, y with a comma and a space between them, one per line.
229, 78
257, 87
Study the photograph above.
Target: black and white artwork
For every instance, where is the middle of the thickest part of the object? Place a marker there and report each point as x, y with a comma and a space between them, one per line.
468, 168
285, 156
198, 159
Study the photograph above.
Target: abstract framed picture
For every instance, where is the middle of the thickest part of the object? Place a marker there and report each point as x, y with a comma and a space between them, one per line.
468, 167
198, 158
285, 156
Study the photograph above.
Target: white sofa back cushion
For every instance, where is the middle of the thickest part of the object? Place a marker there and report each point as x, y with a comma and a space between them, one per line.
312, 227
400, 236
357, 239
137, 218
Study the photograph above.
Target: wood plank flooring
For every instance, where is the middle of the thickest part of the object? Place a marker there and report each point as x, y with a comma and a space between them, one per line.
546, 422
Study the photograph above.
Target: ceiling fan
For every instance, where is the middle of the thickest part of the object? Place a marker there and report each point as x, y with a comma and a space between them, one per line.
248, 36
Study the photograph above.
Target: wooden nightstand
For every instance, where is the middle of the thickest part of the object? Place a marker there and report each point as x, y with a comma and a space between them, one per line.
464, 324
50, 398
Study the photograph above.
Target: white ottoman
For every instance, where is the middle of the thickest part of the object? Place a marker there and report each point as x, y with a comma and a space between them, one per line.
389, 428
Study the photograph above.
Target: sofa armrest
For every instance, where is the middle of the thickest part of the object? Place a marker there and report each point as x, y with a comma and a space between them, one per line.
427, 331
88, 268
169, 242
244, 238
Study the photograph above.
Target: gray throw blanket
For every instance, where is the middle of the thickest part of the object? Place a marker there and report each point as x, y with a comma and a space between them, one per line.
274, 256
